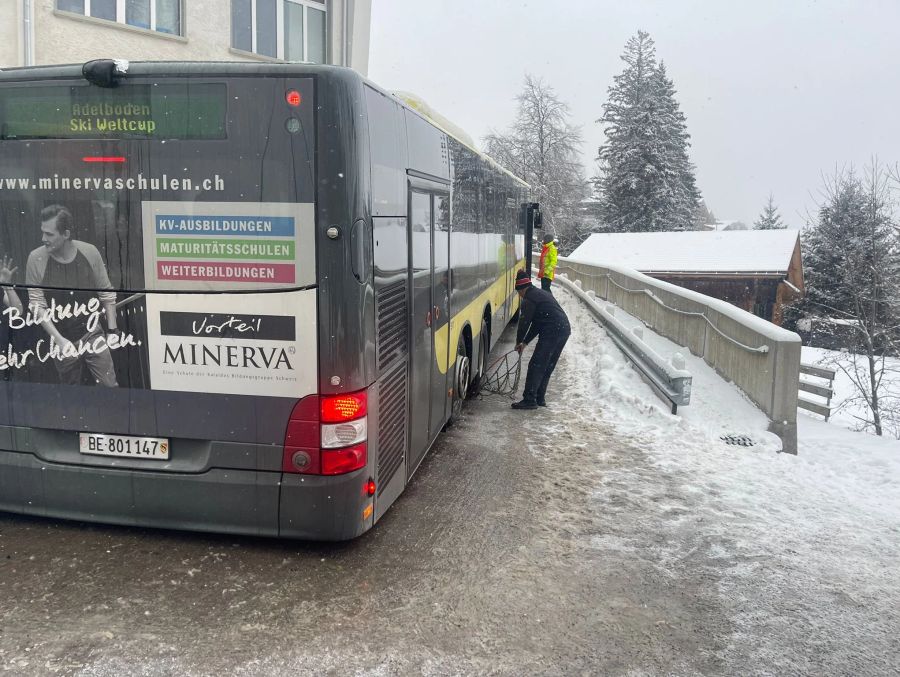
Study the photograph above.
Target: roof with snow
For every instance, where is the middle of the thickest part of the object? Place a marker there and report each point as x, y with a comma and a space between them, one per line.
741, 251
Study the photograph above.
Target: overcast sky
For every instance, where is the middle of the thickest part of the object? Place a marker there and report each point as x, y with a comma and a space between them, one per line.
775, 91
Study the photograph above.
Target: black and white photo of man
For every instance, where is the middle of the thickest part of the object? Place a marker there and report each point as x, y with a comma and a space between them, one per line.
64, 267
8, 299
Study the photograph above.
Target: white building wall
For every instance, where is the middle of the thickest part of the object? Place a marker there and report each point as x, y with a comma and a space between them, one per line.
61, 37
354, 51
10, 33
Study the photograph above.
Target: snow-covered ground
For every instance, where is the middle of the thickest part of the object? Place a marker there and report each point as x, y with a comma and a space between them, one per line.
847, 407
810, 543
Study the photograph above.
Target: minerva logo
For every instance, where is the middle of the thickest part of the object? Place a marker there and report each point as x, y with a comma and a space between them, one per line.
227, 340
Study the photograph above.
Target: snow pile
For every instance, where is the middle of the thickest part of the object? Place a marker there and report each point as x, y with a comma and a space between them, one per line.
802, 550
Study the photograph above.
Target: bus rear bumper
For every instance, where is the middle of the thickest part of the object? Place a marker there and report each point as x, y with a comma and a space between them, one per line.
327, 508
246, 502
226, 501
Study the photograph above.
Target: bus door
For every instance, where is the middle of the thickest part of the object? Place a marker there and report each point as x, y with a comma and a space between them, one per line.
429, 241
440, 248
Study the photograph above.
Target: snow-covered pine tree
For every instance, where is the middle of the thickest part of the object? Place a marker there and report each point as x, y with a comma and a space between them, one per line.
676, 140
647, 180
852, 274
542, 147
703, 217
769, 219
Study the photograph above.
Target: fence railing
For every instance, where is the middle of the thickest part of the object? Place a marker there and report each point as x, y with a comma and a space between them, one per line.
826, 391
762, 359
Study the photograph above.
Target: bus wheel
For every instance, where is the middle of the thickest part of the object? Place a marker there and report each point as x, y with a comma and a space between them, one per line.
461, 378
484, 347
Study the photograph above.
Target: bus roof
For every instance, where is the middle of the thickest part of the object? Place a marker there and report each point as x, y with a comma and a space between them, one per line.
423, 110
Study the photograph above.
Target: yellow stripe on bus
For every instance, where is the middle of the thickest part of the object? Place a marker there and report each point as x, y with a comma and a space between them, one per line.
495, 295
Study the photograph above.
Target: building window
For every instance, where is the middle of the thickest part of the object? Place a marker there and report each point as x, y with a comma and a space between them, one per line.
290, 30
163, 16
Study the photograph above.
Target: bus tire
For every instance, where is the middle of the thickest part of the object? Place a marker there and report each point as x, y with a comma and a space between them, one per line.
461, 377
484, 348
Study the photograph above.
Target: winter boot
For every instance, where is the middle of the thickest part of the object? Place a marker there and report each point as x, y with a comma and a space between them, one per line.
525, 404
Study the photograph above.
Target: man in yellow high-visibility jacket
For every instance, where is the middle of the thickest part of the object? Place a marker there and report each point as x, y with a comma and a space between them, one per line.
547, 265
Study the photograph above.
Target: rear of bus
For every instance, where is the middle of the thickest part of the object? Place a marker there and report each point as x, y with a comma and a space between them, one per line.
171, 288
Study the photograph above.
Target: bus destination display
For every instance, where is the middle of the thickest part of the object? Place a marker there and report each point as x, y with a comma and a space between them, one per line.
158, 111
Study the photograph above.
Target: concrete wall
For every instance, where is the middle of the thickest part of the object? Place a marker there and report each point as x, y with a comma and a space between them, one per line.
61, 37
10, 33
356, 16
769, 378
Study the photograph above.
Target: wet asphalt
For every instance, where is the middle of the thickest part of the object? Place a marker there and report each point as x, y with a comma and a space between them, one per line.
515, 550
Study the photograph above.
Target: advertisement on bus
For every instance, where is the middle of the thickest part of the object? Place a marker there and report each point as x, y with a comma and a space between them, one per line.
138, 248
84, 316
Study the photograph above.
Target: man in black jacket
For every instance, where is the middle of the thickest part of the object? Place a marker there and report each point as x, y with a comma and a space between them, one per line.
541, 316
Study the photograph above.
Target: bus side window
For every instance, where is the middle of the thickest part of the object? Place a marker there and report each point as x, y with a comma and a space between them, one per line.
387, 142
428, 147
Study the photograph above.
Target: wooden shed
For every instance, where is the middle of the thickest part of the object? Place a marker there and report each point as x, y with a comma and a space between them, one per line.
759, 271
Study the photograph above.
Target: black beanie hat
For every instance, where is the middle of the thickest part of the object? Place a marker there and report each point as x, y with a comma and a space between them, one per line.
522, 280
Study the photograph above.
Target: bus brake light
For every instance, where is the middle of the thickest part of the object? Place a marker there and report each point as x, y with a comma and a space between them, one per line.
344, 407
293, 98
103, 158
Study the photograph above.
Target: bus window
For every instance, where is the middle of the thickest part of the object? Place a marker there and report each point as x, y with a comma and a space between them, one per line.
387, 144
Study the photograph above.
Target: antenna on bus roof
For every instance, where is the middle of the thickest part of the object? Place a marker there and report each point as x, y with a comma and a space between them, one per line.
104, 72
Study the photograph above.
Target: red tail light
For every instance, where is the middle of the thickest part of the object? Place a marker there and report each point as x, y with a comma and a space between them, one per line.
344, 407
293, 98
340, 461
314, 427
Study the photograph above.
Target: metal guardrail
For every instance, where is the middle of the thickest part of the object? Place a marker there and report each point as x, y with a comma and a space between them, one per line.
762, 360
671, 384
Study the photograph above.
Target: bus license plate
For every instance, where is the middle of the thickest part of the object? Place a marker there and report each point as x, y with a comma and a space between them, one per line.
123, 445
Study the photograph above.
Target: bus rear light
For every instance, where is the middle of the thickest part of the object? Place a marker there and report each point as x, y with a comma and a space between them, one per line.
336, 435
340, 461
326, 435
370, 488
344, 407
104, 158
293, 98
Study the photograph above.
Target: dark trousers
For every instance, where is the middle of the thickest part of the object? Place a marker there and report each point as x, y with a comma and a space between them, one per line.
545, 283
543, 362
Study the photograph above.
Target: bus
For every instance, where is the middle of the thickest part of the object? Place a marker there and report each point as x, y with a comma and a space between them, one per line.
237, 297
